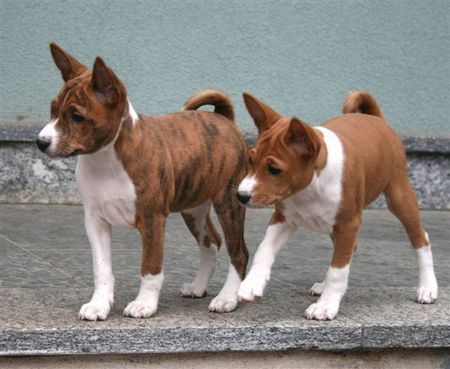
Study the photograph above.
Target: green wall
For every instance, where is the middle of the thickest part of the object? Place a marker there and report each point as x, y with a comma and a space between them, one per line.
302, 57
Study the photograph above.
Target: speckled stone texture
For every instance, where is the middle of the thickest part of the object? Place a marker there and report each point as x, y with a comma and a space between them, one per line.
46, 275
429, 174
28, 176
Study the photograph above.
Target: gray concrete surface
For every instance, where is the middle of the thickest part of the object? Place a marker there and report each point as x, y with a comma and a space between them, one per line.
46, 275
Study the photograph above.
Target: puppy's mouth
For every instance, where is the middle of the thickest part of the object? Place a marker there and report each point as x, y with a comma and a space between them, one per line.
73, 153
258, 205
63, 154
262, 203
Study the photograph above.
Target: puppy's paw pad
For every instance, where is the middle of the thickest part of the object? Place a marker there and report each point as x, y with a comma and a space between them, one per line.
139, 309
221, 304
317, 288
192, 290
320, 311
94, 311
427, 295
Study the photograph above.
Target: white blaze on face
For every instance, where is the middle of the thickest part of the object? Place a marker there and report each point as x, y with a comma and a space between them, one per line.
247, 185
50, 134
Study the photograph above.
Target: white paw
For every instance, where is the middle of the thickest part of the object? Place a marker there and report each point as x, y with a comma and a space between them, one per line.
322, 311
223, 304
95, 310
140, 309
252, 287
427, 295
317, 288
192, 290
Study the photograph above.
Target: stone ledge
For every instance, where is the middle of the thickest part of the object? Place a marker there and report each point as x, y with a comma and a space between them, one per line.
269, 326
31, 177
432, 145
19, 131
26, 131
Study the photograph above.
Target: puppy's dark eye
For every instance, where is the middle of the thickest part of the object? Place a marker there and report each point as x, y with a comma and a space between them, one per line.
273, 171
77, 118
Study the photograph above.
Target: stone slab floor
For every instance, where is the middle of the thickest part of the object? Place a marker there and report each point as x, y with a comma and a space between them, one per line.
46, 275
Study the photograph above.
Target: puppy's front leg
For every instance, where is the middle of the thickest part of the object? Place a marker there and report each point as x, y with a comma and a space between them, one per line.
277, 234
151, 227
336, 280
99, 235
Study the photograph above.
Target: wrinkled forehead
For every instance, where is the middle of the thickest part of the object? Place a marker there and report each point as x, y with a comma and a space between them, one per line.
77, 89
273, 139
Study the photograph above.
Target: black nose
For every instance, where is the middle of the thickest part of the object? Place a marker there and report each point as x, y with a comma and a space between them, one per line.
42, 144
243, 198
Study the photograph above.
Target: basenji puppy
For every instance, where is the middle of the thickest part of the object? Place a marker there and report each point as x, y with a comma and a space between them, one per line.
133, 170
322, 178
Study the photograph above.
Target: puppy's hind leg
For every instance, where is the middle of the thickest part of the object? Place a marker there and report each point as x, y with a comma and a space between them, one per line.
201, 227
402, 203
231, 216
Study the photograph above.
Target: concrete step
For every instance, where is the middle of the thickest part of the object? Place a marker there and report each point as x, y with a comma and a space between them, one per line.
46, 276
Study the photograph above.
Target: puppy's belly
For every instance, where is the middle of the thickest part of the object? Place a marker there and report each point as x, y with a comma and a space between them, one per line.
313, 217
119, 212
317, 223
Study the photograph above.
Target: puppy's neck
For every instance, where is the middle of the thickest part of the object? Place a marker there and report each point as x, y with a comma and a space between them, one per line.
327, 179
127, 122
321, 160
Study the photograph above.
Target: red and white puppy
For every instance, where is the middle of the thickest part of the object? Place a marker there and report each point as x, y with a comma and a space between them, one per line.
133, 170
322, 178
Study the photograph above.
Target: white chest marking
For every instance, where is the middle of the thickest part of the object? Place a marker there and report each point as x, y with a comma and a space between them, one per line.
105, 187
317, 205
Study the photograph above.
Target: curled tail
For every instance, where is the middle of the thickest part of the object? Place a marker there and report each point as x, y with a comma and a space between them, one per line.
362, 102
221, 101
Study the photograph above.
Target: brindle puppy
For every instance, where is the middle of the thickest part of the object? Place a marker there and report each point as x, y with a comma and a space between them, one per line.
133, 170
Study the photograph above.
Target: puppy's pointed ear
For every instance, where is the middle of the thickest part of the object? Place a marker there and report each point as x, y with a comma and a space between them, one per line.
263, 116
67, 64
104, 83
303, 138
